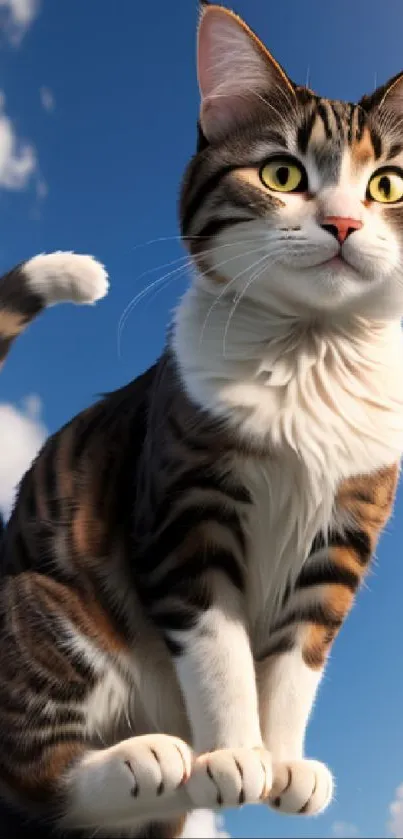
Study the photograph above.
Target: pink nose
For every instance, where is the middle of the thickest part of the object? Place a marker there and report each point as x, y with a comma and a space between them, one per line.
341, 227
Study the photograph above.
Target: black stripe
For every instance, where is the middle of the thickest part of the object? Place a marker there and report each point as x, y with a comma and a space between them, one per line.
325, 119
361, 118
238, 493
337, 117
350, 123
42, 686
330, 574
318, 543
180, 581
174, 647
62, 716
23, 751
394, 150
357, 540
313, 613
192, 441
284, 645
202, 479
216, 226
178, 620
305, 131
377, 143
224, 560
170, 536
16, 296
203, 191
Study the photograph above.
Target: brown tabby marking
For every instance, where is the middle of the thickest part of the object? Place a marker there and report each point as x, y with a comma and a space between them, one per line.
11, 323
362, 150
368, 501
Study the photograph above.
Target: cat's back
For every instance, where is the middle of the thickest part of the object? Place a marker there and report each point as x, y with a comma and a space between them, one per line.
75, 500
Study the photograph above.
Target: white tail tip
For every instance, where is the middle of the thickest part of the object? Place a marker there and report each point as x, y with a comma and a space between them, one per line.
66, 276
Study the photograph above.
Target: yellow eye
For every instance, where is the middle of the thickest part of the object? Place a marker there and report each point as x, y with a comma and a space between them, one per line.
386, 186
283, 175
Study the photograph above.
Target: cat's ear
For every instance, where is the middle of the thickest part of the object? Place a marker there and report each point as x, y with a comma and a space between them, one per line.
393, 98
389, 96
235, 72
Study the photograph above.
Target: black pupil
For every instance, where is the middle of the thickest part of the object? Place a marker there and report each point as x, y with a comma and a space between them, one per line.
283, 174
384, 186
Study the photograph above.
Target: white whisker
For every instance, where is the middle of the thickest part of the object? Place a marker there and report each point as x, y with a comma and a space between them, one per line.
186, 262
225, 291
255, 276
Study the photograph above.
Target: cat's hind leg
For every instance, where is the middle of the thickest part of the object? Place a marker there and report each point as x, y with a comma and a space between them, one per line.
59, 686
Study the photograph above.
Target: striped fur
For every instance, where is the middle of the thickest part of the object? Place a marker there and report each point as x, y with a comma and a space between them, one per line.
183, 553
42, 281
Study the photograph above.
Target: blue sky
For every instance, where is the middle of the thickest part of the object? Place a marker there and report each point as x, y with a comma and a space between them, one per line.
103, 98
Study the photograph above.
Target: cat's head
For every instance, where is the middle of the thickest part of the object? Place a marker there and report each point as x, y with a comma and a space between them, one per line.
292, 200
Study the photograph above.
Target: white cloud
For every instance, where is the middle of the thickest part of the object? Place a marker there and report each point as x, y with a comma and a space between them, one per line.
17, 157
16, 16
47, 99
21, 436
396, 812
204, 824
344, 830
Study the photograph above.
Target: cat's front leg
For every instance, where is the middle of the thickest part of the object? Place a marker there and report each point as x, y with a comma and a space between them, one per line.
216, 671
287, 689
323, 595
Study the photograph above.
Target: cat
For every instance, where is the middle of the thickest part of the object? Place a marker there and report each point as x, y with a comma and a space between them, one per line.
182, 554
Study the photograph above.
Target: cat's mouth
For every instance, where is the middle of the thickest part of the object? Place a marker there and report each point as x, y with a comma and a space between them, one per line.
339, 263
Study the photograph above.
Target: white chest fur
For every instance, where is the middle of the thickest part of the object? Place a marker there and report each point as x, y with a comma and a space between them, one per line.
326, 401
283, 520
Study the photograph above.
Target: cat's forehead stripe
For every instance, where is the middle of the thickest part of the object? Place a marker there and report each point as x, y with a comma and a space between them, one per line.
329, 126
363, 149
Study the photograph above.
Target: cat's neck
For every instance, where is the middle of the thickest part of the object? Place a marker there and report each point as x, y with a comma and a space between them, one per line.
303, 386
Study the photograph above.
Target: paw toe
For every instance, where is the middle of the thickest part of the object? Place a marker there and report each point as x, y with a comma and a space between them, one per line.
302, 787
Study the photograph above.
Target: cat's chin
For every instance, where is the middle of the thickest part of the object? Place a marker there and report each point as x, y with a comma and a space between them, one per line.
324, 287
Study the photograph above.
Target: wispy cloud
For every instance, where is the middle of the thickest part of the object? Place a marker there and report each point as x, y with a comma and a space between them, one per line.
344, 830
47, 99
204, 824
17, 157
22, 433
396, 813
16, 16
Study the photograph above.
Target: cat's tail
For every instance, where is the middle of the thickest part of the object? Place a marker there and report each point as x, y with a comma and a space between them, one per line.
42, 281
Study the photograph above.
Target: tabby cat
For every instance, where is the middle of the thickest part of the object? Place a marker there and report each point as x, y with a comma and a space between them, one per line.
182, 554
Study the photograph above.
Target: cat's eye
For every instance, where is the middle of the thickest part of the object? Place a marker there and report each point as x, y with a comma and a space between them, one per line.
283, 174
386, 186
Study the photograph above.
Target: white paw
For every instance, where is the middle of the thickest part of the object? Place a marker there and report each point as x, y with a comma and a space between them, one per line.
128, 780
301, 787
65, 276
229, 777
156, 763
